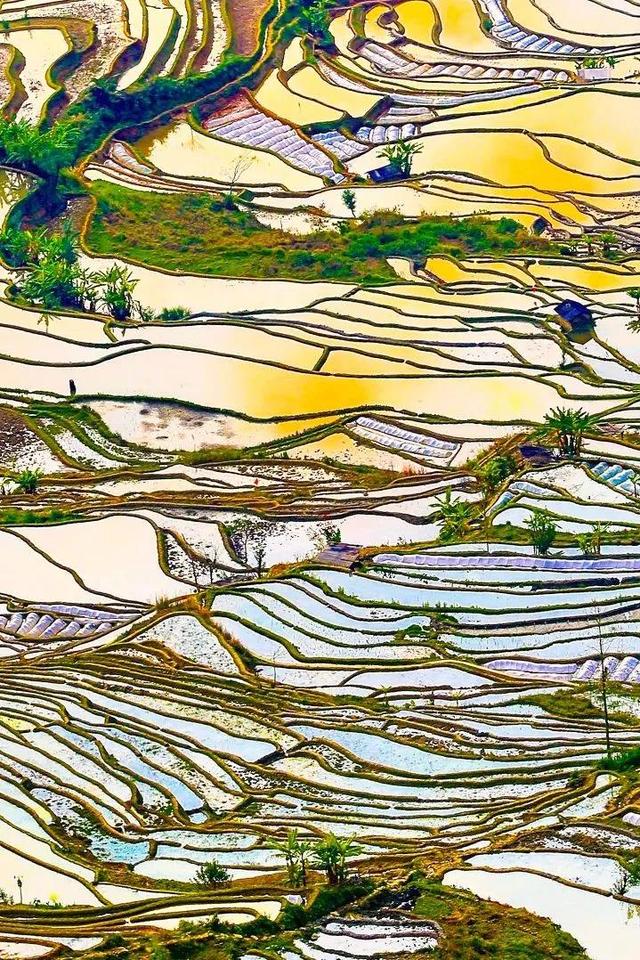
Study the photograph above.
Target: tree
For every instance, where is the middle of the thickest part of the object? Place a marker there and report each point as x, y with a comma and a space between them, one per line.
250, 537
28, 480
295, 853
47, 268
332, 534
492, 473
238, 171
401, 156
567, 428
542, 531
634, 293
54, 283
211, 874
331, 855
454, 515
349, 200
609, 240
316, 18
44, 152
591, 543
604, 676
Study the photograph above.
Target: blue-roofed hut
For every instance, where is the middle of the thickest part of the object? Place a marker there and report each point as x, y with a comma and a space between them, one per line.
576, 316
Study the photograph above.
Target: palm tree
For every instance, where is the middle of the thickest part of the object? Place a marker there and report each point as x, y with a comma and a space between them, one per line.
454, 515
332, 854
591, 542
295, 853
567, 428
52, 284
634, 293
542, 531
401, 156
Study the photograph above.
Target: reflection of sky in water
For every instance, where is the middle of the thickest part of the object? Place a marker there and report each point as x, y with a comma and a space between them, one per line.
607, 928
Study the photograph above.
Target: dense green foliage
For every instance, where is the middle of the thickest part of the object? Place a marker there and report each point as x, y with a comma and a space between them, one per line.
192, 233
567, 428
542, 531
495, 471
211, 874
43, 152
627, 761
48, 274
454, 516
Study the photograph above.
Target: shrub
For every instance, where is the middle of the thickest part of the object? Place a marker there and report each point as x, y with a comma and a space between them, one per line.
542, 531
173, 314
626, 761
211, 874
28, 480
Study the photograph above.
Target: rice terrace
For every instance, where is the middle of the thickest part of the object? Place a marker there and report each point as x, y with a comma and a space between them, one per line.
320, 479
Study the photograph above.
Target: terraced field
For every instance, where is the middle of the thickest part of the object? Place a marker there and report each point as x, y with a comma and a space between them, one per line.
295, 561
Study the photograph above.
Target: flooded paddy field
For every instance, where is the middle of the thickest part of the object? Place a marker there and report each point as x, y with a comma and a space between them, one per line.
320, 493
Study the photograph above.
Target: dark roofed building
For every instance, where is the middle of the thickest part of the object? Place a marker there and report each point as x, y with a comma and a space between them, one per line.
536, 453
540, 225
344, 555
575, 315
386, 174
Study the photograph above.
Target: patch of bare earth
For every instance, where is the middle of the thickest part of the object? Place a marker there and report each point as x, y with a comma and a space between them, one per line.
244, 17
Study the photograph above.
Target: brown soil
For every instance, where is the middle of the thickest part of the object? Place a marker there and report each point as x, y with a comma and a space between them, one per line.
244, 18
14, 435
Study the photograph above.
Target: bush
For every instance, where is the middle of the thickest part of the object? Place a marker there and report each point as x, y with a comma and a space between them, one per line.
211, 874
292, 916
173, 314
113, 940
261, 927
542, 531
626, 761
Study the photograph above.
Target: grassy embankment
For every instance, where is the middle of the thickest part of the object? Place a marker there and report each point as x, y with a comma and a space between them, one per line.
192, 233
472, 928
585, 703
475, 928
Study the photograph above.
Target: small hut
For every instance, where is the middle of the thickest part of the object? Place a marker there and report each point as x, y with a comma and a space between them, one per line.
342, 555
386, 174
575, 316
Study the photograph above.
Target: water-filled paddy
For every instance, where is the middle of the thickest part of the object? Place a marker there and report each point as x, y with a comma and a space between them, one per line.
229, 603
598, 922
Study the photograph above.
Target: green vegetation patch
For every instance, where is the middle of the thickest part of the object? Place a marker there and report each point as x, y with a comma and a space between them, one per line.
193, 233
584, 704
627, 761
475, 929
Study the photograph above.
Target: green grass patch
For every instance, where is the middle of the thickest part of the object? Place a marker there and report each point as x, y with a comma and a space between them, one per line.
18, 518
475, 929
193, 233
579, 704
566, 703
